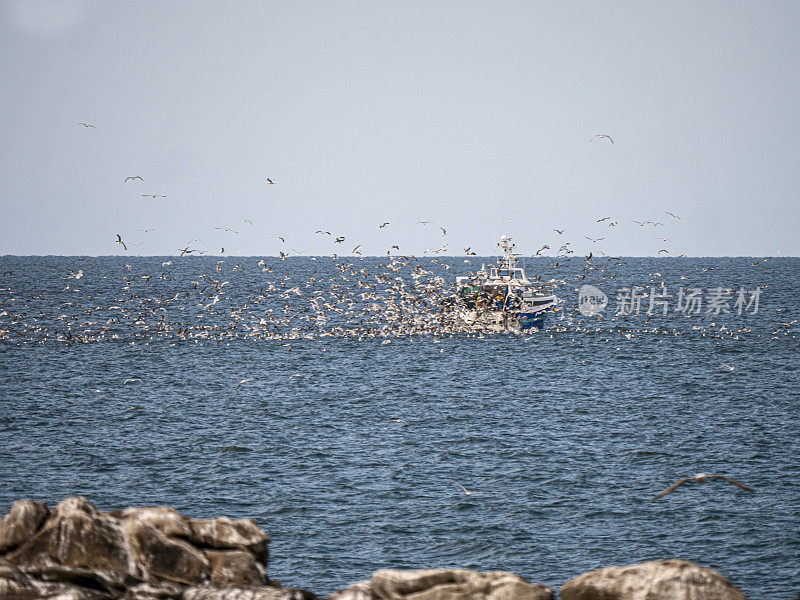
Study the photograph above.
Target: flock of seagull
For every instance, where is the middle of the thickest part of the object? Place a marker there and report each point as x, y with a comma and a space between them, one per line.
352, 297
355, 297
346, 296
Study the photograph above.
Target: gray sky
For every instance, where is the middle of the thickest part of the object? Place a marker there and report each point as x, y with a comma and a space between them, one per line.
460, 113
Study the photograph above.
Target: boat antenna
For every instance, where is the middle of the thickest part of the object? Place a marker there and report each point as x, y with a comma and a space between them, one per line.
509, 257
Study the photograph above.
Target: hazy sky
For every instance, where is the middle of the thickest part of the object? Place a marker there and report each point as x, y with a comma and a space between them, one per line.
460, 113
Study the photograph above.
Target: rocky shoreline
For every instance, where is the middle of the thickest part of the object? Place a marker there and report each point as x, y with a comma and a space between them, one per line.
76, 552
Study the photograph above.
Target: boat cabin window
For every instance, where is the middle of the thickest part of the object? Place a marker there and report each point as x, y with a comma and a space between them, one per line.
509, 273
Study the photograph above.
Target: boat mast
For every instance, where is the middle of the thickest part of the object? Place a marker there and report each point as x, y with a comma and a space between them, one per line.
509, 257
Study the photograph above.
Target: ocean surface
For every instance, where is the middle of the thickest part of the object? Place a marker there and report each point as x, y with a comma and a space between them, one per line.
349, 450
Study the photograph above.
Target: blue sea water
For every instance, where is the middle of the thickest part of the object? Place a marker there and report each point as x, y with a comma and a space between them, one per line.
564, 434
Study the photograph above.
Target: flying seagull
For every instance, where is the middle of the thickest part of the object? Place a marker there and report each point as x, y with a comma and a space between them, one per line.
673, 216
466, 491
601, 136
702, 478
86, 124
383, 225
271, 181
241, 382
135, 177
119, 241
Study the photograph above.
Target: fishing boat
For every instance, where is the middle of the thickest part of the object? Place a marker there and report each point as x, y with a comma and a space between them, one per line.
502, 297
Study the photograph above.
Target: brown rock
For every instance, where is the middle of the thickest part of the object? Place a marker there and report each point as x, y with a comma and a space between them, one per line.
360, 590
227, 534
102, 582
148, 591
74, 593
163, 518
509, 586
235, 568
78, 552
163, 558
75, 534
21, 523
393, 584
446, 584
655, 580
15, 584
246, 593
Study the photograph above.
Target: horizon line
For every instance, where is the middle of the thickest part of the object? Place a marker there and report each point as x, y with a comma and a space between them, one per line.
451, 256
